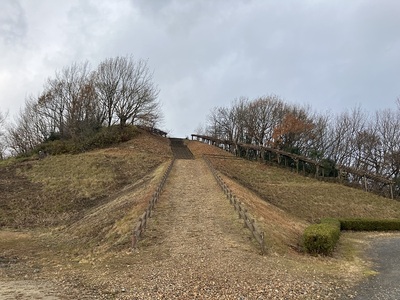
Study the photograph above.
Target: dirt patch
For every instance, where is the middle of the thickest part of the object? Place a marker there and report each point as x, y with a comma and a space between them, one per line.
20, 203
28, 290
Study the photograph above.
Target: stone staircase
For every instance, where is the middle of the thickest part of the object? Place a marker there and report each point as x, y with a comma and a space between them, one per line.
180, 150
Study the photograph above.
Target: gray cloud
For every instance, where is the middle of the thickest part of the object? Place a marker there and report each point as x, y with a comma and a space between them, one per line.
330, 54
12, 22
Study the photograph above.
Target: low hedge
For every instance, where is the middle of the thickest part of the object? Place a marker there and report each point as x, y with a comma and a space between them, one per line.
370, 224
322, 238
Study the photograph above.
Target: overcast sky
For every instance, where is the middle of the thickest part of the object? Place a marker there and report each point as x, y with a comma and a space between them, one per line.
332, 55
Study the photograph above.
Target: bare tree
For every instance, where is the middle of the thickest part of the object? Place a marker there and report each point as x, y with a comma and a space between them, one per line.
28, 131
388, 130
228, 123
126, 91
109, 76
344, 130
62, 99
137, 94
3, 146
70, 103
264, 115
318, 146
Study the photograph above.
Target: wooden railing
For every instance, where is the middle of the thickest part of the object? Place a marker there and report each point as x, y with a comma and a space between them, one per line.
153, 130
141, 224
298, 162
239, 207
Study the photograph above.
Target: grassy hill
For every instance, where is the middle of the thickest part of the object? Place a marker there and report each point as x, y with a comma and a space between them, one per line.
304, 197
87, 190
68, 216
62, 188
285, 202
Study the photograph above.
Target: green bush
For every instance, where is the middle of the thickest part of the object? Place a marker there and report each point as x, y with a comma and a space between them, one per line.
370, 224
322, 238
107, 136
57, 147
103, 137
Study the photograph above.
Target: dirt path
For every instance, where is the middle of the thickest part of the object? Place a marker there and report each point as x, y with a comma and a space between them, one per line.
195, 247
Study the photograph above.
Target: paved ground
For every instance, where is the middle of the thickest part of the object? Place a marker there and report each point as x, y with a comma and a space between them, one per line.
385, 253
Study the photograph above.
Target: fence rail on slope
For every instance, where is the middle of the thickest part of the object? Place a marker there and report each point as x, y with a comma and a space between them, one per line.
239, 207
142, 223
364, 179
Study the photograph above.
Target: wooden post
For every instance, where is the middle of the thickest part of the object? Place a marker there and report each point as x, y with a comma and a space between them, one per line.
134, 240
391, 190
262, 243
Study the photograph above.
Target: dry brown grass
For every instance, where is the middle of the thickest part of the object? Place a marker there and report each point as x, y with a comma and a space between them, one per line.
307, 198
109, 225
94, 249
59, 189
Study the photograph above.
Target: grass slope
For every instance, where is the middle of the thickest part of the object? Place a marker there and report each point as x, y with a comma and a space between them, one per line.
290, 201
60, 189
305, 197
98, 196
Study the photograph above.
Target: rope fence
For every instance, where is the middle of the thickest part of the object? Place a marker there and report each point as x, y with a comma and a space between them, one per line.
249, 221
141, 224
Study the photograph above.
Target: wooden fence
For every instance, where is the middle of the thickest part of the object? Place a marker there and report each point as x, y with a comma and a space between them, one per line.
153, 130
141, 224
302, 164
249, 221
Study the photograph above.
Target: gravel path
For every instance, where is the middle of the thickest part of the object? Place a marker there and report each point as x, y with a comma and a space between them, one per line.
385, 254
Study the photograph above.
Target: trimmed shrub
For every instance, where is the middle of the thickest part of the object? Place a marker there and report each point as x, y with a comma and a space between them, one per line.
370, 224
322, 238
